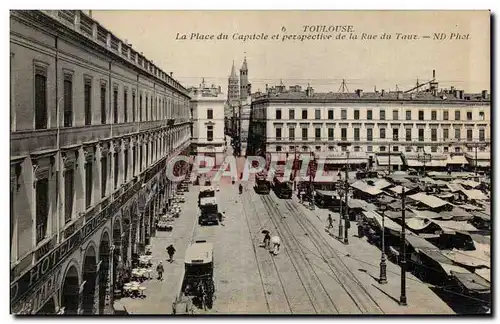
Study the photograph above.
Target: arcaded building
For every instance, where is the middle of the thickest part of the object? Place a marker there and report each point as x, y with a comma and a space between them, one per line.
93, 124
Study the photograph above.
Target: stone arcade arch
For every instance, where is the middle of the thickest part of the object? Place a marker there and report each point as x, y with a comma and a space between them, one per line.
104, 256
89, 280
70, 291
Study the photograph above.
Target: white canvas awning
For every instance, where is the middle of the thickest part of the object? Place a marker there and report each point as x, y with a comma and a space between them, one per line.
457, 159
394, 160
431, 201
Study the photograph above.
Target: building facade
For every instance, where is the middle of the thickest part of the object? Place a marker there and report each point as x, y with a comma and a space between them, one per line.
93, 124
207, 109
390, 129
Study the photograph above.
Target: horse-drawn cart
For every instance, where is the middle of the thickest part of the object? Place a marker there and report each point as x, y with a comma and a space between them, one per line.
198, 284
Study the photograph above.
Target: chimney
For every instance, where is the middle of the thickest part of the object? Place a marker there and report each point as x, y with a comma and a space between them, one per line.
484, 94
460, 94
433, 74
383, 92
452, 89
171, 74
359, 92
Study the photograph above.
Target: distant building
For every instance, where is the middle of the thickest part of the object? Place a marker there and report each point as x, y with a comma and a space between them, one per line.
207, 109
447, 125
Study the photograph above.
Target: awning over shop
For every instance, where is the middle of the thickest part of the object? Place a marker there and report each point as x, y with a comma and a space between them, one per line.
390, 224
398, 189
345, 161
480, 156
441, 259
381, 183
394, 160
417, 223
454, 187
328, 193
414, 163
366, 188
475, 194
457, 159
457, 214
482, 164
431, 201
474, 258
461, 226
426, 214
419, 243
484, 273
472, 282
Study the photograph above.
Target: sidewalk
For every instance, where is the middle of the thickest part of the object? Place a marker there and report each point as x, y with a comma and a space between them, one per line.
161, 294
364, 261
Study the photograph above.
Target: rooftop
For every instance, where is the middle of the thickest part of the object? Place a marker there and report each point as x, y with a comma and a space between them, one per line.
78, 21
373, 96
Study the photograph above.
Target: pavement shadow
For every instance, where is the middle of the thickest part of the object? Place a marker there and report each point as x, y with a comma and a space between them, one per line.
365, 271
382, 291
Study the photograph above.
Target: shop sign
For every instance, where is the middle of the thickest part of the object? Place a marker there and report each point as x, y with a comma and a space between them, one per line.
45, 266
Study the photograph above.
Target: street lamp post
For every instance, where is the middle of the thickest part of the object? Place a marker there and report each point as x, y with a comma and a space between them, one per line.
346, 212
341, 229
402, 298
383, 265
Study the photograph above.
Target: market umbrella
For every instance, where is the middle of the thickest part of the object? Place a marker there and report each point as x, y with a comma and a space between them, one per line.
265, 232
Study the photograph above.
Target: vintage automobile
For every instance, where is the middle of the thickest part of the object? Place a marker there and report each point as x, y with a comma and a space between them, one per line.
198, 279
209, 213
206, 192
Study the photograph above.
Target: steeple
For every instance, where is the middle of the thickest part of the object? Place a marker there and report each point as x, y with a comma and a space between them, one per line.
244, 65
233, 72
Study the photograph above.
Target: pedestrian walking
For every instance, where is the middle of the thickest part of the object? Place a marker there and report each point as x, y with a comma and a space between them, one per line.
275, 240
330, 221
267, 240
159, 270
171, 252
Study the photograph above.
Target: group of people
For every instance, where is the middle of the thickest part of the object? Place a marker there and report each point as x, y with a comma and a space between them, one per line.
159, 268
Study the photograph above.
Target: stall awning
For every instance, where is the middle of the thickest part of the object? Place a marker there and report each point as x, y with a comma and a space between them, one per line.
394, 160
472, 282
475, 194
457, 159
431, 201
461, 226
363, 186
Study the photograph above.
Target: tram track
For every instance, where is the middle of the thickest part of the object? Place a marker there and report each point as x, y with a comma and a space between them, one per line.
364, 302
317, 293
259, 262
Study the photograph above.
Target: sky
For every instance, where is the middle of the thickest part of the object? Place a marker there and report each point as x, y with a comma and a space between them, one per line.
364, 64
